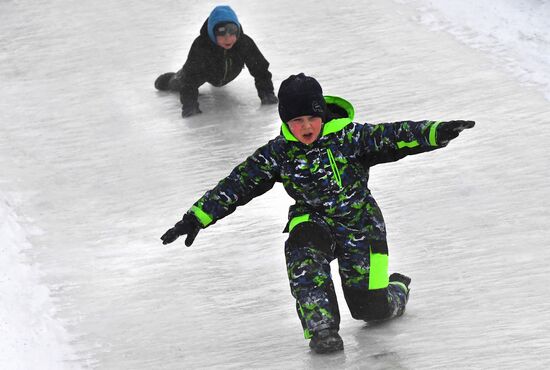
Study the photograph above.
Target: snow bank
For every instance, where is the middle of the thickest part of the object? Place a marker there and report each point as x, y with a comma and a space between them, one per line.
30, 336
515, 32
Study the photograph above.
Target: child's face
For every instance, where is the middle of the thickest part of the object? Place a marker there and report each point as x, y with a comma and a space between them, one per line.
305, 128
226, 41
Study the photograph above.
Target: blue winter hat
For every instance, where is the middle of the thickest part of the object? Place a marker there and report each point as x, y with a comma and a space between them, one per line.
221, 14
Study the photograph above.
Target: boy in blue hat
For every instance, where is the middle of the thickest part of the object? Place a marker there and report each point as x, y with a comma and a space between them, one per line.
217, 56
323, 159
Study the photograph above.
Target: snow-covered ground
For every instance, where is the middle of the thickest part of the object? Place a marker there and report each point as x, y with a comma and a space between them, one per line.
96, 164
515, 33
31, 337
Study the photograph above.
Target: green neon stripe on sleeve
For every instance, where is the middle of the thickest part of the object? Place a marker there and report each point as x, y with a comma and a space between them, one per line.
378, 274
433, 133
407, 144
204, 218
297, 220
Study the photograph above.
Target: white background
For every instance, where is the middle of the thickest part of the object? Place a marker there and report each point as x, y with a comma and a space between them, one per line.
96, 165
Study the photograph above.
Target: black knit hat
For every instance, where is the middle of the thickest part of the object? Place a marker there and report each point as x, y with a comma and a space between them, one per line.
301, 95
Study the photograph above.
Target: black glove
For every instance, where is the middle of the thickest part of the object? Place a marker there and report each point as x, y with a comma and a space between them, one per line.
188, 225
449, 130
190, 109
268, 98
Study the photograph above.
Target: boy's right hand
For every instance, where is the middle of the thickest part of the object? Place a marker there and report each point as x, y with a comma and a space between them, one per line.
449, 130
268, 98
190, 110
189, 225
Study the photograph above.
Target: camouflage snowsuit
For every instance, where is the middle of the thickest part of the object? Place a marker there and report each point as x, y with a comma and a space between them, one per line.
334, 216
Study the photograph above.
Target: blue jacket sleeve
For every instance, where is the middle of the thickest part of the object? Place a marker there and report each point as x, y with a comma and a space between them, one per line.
252, 178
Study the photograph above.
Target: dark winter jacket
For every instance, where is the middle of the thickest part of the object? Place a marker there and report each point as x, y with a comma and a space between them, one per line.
208, 62
328, 177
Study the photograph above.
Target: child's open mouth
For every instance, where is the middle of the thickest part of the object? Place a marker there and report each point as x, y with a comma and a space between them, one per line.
308, 136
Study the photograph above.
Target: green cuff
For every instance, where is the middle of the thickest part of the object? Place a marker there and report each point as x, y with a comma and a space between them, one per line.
204, 218
433, 133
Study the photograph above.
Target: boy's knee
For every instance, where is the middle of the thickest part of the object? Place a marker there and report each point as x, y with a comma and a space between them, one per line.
367, 305
311, 235
175, 84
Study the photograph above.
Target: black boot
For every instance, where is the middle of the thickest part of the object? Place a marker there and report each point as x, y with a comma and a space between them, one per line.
326, 340
399, 278
402, 282
162, 82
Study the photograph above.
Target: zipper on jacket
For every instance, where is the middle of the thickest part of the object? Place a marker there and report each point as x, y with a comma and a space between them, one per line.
226, 60
334, 166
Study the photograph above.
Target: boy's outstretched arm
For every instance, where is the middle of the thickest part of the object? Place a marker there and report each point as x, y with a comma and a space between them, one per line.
253, 177
388, 142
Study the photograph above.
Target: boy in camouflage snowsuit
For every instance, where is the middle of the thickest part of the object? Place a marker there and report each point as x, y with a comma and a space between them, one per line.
323, 158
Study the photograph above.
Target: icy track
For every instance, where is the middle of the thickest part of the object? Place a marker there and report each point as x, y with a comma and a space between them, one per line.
96, 165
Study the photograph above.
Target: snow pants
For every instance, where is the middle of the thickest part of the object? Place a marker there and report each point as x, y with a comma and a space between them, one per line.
189, 87
362, 253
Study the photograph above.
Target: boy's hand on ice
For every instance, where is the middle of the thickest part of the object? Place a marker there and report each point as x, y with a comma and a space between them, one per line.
190, 110
189, 225
449, 130
268, 98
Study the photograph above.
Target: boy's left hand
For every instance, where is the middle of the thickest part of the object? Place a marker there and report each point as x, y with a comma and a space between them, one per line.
268, 99
449, 130
189, 225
